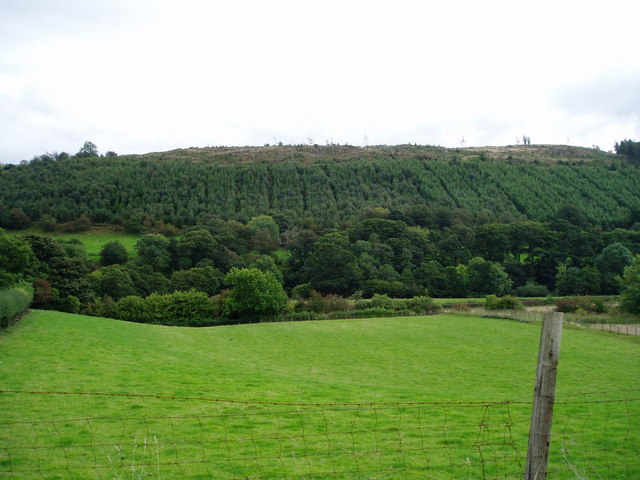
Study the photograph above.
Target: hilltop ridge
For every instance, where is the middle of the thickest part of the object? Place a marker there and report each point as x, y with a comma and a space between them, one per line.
334, 152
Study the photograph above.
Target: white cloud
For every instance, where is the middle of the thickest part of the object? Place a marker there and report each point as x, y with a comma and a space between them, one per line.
149, 75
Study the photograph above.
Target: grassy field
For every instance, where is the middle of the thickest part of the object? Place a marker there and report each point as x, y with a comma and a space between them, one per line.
436, 385
93, 240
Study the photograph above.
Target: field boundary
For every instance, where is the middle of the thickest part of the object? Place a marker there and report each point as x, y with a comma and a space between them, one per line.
236, 439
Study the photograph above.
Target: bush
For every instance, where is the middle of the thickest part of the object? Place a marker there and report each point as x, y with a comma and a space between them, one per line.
69, 304
336, 303
362, 304
532, 290
386, 303
302, 291
585, 304
13, 302
630, 283
131, 309
502, 303
188, 309
102, 307
422, 305
113, 253
254, 293
179, 308
323, 304
380, 312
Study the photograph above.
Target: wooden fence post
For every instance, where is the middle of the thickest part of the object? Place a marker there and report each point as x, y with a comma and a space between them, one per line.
544, 397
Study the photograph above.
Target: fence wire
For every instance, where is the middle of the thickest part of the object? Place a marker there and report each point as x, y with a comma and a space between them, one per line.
595, 436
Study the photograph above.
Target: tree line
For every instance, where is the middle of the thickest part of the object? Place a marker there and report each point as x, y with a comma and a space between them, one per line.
231, 270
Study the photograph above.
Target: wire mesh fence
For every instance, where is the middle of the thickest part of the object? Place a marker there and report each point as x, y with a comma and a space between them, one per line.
595, 436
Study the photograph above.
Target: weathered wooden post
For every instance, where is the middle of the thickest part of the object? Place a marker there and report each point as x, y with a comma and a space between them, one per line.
544, 397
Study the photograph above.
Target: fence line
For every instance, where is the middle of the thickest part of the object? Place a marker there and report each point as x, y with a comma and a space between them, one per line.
596, 435
527, 317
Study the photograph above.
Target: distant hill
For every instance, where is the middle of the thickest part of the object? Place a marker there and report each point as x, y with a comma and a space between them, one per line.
326, 183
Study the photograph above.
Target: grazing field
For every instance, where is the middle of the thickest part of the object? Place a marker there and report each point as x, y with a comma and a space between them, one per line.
419, 397
94, 240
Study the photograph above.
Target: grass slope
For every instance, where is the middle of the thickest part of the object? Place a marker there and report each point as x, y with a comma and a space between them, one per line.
93, 240
419, 359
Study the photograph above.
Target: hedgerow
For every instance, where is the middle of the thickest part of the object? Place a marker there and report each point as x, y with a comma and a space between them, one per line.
13, 302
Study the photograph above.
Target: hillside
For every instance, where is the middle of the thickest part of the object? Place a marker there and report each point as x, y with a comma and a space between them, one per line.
328, 184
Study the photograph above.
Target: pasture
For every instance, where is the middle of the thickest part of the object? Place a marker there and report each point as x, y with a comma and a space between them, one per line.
418, 397
93, 240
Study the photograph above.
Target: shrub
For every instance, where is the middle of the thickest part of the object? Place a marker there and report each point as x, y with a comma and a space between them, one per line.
323, 304
13, 302
630, 283
387, 303
335, 303
131, 309
102, 307
507, 302
585, 304
380, 312
69, 304
179, 308
190, 309
113, 253
302, 291
253, 293
362, 304
532, 290
422, 305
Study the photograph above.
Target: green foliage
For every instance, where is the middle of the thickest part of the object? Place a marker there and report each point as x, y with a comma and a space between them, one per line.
265, 263
531, 289
265, 233
153, 250
88, 149
69, 304
134, 223
302, 291
243, 184
189, 309
576, 281
324, 304
113, 253
629, 148
386, 302
113, 281
13, 302
17, 260
422, 305
507, 302
580, 304
611, 263
253, 293
630, 282
331, 267
486, 277
132, 309
203, 279
74, 248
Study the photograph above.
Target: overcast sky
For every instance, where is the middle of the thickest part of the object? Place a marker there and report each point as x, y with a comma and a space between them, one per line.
136, 76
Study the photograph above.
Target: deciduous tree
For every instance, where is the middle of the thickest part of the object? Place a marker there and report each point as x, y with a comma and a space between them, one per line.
253, 293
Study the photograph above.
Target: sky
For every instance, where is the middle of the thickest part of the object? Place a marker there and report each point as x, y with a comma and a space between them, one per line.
138, 76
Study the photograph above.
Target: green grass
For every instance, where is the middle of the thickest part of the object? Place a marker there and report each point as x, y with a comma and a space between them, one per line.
447, 359
93, 240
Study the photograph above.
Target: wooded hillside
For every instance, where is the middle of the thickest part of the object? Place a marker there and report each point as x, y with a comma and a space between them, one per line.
327, 184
